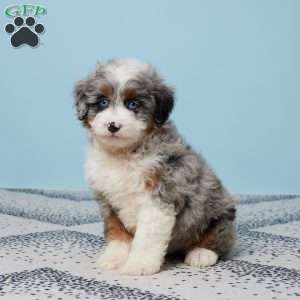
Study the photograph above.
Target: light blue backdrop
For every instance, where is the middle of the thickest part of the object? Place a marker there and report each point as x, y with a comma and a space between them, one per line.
235, 65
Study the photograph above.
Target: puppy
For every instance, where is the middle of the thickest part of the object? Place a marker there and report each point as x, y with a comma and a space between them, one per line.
156, 194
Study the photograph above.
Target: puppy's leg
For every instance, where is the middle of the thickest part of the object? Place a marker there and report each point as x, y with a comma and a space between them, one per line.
118, 247
152, 236
215, 242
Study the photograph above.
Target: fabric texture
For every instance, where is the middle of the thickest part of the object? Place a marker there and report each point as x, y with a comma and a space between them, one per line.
50, 240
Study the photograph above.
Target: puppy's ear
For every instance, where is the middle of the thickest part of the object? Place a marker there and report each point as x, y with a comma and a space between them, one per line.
80, 99
164, 98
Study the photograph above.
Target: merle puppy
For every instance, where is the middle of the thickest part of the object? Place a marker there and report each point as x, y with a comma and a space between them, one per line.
156, 194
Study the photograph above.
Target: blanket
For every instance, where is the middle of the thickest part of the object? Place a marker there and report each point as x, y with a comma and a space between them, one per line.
50, 240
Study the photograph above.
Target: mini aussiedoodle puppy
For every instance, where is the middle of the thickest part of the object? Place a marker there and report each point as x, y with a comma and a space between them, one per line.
156, 194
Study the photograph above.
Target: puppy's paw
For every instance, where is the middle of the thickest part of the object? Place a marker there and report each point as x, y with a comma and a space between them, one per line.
201, 257
140, 266
114, 255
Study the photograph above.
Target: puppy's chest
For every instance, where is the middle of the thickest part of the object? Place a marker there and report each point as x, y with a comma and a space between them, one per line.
123, 182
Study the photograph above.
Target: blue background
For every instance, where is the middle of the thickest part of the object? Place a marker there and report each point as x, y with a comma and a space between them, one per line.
235, 66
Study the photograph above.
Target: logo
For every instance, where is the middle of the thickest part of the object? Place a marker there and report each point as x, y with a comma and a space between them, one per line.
24, 29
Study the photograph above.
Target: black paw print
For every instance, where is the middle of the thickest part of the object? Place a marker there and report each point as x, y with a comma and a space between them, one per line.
25, 34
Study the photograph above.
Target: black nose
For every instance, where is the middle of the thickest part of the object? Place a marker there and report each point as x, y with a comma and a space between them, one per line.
112, 127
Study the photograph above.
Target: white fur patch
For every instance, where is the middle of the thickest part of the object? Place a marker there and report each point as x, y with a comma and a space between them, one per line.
126, 69
114, 255
131, 129
153, 234
121, 180
201, 257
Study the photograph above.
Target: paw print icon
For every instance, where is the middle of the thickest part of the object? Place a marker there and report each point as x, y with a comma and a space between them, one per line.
24, 32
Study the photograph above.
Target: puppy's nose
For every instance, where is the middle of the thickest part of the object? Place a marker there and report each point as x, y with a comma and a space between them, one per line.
112, 127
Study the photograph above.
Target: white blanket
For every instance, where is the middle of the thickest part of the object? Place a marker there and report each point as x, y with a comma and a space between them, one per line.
49, 242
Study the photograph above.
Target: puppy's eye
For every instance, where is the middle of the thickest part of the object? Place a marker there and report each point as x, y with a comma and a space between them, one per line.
103, 102
132, 104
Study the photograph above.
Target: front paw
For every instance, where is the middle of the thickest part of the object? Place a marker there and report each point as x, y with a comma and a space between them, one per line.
114, 256
140, 266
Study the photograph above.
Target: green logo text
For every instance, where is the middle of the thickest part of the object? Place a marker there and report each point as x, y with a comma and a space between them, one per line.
25, 10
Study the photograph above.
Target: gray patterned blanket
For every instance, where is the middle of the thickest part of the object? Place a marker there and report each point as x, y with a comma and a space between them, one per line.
49, 241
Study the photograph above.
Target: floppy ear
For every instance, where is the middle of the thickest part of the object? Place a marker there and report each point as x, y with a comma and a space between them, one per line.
80, 99
164, 98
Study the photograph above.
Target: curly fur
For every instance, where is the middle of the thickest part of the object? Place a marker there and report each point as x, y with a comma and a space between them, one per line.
165, 195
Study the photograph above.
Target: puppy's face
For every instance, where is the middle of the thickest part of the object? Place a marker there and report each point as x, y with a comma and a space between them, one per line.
122, 101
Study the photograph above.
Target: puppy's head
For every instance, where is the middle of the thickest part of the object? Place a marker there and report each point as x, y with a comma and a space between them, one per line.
122, 101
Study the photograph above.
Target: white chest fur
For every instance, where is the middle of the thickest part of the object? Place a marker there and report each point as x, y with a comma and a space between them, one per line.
121, 180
